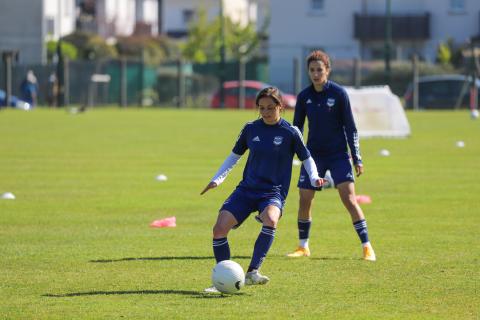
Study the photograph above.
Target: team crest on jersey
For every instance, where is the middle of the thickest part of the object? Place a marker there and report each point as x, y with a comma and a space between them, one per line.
277, 140
330, 102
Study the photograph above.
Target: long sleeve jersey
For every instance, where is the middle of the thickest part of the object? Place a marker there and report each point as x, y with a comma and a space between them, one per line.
330, 121
272, 147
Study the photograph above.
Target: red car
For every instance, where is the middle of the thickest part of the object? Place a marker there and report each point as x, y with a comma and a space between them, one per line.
252, 87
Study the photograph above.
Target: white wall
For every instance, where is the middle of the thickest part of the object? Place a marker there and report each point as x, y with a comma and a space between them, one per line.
62, 12
23, 25
115, 17
447, 24
444, 23
294, 29
398, 7
173, 12
262, 11
22, 29
237, 10
150, 14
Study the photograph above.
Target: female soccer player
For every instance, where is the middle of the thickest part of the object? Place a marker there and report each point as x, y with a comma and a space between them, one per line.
331, 127
272, 143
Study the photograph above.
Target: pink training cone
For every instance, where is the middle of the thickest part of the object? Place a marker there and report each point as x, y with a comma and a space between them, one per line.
361, 198
162, 223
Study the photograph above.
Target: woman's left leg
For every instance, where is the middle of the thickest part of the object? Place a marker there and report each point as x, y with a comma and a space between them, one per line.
269, 216
346, 190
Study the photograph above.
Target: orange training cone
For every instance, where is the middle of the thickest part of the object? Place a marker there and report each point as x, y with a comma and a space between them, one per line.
162, 223
363, 199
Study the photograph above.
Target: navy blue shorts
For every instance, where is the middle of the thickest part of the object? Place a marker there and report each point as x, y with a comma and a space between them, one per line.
340, 167
242, 203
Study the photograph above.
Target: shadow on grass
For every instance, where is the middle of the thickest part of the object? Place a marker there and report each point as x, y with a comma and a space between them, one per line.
334, 258
161, 258
195, 294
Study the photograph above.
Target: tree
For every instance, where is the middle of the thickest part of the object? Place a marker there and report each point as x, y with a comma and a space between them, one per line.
200, 46
204, 39
444, 54
68, 49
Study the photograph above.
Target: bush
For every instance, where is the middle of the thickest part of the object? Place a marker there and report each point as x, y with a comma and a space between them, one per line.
91, 46
444, 54
153, 50
68, 50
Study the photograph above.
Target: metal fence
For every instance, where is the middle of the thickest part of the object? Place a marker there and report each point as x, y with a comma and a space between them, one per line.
133, 83
177, 83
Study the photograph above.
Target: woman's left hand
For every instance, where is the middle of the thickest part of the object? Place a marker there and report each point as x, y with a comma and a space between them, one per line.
359, 169
320, 182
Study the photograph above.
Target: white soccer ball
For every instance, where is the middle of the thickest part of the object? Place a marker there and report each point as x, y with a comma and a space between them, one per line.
474, 114
228, 276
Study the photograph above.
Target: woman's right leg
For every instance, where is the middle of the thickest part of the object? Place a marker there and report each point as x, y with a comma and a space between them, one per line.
304, 222
225, 222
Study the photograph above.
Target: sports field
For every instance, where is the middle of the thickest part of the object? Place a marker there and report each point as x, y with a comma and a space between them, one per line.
76, 241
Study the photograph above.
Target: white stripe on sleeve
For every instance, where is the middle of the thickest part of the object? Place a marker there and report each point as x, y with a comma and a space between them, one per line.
225, 168
312, 171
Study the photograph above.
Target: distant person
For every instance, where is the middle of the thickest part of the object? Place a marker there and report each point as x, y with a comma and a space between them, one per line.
52, 90
29, 88
331, 131
272, 142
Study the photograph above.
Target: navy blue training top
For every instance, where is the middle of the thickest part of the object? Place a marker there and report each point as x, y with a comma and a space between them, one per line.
272, 147
330, 121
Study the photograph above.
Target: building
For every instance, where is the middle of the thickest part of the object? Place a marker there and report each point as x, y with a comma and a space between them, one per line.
177, 14
348, 29
111, 18
27, 25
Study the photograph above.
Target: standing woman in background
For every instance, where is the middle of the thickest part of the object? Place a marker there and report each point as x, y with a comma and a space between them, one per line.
272, 142
331, 132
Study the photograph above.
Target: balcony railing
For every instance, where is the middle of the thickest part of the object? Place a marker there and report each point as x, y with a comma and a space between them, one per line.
404, 27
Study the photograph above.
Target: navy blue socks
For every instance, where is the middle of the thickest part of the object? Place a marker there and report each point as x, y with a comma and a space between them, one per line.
361, 228
262, 245
221, 249
304, 232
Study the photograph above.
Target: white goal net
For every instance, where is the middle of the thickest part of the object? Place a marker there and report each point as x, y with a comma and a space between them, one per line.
378, 112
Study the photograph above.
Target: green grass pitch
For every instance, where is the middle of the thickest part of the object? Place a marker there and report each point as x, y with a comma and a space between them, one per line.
76, 241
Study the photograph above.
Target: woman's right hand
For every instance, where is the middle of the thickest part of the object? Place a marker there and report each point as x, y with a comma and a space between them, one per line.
209, 186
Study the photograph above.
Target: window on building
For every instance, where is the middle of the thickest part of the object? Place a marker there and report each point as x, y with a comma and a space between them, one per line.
87, 7
50, 26
317, 6
188, 15
457, 6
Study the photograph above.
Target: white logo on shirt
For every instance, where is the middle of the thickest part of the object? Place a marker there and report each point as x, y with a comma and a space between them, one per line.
256, 139
309, 101
330, 102
277, 140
